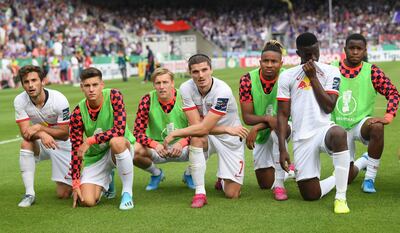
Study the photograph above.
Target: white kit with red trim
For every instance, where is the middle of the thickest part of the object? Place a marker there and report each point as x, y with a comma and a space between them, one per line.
54, 112
307, 115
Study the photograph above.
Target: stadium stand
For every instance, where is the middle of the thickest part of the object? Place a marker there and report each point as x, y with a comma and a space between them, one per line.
46, 31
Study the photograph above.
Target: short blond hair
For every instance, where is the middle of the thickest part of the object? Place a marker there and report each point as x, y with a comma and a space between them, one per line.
161, 71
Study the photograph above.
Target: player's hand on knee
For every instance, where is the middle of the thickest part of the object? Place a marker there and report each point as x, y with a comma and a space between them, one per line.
251, 138
284, 160
160, 149
167, 140
48, 141
176, 150
376, 120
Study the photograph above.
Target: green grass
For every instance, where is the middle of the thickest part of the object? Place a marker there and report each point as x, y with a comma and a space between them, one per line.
167, 209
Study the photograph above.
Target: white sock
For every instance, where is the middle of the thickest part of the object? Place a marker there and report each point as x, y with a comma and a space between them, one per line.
327, 185
187, 171
362, 162
27, 166
198, 168
341, 162
372, 168
153, 170
279, 172
125, 170
279, 176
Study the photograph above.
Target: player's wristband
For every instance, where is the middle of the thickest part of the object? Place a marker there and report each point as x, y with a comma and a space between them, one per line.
91, 140
76, 184
389, 117
184, 142
153, 144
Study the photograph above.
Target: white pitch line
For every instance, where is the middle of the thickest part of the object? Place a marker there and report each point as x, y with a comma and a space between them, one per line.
8, 141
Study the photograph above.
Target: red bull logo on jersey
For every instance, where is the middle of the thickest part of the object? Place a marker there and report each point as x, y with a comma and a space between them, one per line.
305, 84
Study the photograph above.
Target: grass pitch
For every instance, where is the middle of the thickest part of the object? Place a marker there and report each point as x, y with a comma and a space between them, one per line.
167, 209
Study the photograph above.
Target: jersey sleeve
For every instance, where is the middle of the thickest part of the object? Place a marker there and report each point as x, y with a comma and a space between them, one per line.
20, 113
76, 137
187, 100
221, 102
283, 87
245, 89
332, 83
142, 121
384, 86
62, 110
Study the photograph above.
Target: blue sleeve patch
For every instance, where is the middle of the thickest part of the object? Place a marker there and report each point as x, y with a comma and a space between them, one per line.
336, 83
65, 113
222, 104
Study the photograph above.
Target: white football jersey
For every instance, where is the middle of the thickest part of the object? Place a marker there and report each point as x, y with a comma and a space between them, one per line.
307, 115
219, 100
54, 112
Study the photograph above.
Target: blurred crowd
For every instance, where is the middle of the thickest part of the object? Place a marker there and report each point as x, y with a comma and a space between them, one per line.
43, 27
68, 33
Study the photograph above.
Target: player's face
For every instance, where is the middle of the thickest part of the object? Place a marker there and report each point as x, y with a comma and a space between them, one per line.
308, 53
32, 84
270, 64
355, 51
92, 88
201, 74
164, 86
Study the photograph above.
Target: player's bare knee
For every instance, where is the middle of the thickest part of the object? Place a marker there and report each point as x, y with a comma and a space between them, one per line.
117, 145
310, 189
63, 194
198, 142
265, 177
140, 150
264, 185
376, 131
338, 139
310, 195
27, 145
339, 133
64, 191
89, 202
232, 194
